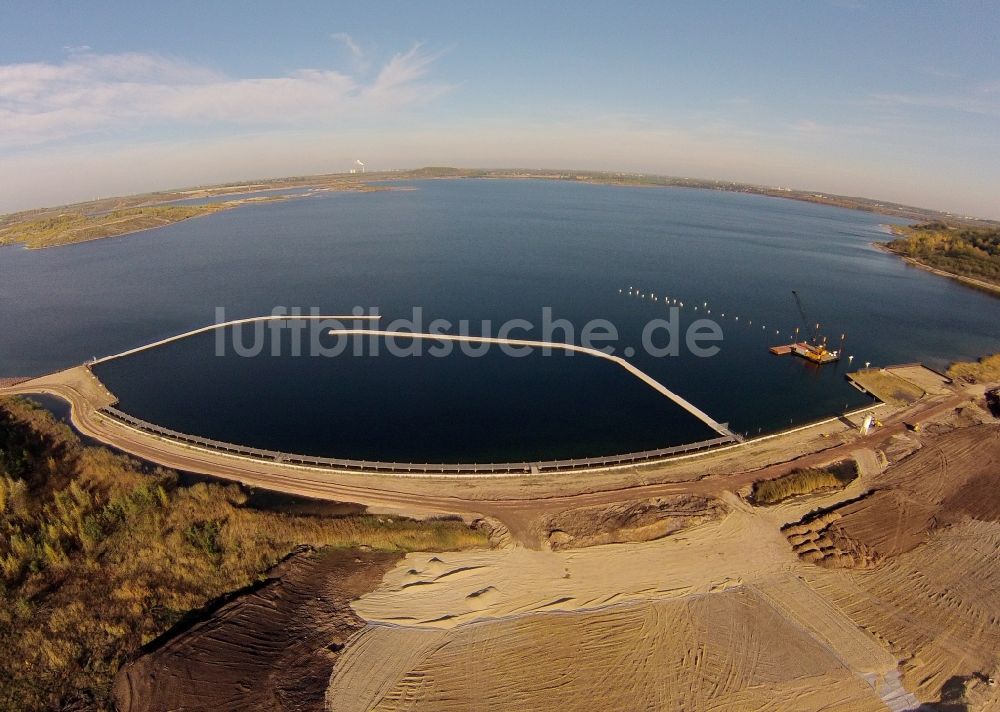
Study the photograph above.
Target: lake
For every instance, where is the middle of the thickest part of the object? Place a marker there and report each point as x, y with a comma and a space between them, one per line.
487, 250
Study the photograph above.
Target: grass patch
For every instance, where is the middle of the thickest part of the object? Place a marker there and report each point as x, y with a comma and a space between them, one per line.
804, 481
985, 370
99, 556
888, 387
72, 227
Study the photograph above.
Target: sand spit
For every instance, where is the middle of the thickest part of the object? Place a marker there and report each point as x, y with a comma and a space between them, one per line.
270, 649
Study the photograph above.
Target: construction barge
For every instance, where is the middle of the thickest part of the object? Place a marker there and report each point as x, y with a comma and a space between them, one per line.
815, 349
817, 353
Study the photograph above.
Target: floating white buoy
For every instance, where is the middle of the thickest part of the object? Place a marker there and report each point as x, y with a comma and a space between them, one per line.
737, 318
723, 315
867, 364
849, 359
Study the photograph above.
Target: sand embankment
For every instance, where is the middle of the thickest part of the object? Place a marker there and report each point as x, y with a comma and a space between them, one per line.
270, 648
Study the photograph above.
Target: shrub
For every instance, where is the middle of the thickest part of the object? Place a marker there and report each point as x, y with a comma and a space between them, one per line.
98, 557
985, 370
805, 481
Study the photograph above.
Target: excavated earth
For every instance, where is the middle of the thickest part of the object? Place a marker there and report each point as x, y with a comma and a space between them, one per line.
885, 595
954, 476
269, 648
630, 521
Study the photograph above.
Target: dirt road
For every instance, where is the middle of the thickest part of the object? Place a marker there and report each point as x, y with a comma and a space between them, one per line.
518, 502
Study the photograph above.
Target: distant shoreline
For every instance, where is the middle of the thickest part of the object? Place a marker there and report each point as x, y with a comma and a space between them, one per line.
15, 226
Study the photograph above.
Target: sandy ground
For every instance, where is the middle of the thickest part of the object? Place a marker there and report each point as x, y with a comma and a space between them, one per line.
721, 606
881, 596
720, 615
730, 650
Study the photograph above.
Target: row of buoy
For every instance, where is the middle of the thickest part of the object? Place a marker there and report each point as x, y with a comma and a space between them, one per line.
705, 309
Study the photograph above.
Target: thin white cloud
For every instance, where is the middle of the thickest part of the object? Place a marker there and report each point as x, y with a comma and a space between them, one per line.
816, 129
940, 73
983, 99
353, 47
88, 92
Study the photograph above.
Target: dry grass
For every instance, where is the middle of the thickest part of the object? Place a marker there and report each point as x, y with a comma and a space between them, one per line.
76, 227
985, 370
802, 482
887, 387
99, 557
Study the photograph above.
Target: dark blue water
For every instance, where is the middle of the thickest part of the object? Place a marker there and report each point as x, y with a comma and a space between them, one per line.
486, 250
458, 408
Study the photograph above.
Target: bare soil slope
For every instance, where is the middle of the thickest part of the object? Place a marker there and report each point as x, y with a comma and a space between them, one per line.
918, 561
954, 476
632, 520
272, 648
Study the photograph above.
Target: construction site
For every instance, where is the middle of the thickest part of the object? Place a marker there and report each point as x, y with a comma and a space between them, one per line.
848, 596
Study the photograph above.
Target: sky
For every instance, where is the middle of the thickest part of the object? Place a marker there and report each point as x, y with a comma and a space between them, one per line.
891, 100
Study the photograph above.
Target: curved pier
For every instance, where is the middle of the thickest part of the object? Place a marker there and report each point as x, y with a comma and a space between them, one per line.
725, 435
343, 464
235, 322
701, 415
